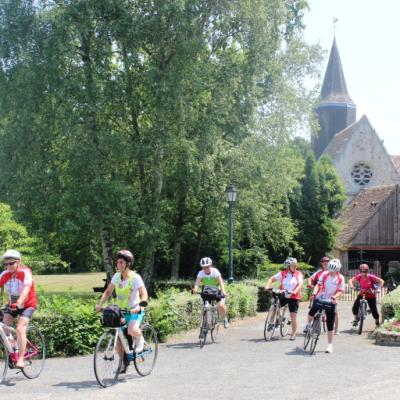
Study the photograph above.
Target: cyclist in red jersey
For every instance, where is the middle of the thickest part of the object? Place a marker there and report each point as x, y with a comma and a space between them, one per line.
21, 297
367, 283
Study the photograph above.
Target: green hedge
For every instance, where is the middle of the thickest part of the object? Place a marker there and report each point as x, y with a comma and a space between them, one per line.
72, 327
391, 305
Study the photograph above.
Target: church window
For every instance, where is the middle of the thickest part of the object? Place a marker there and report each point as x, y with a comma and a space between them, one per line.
361, 174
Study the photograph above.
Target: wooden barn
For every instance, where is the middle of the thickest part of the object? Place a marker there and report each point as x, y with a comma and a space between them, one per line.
369, 230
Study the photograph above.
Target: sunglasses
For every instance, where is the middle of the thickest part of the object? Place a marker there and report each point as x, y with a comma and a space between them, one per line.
6, 264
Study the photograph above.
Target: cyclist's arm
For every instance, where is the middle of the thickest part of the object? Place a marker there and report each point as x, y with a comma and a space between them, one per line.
196, 284
221, 285
310, 282
270, 282
23, 296
351, 282
106, 294
380, 281
337, 295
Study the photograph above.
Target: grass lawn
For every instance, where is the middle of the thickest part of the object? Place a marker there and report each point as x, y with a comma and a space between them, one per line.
76, 283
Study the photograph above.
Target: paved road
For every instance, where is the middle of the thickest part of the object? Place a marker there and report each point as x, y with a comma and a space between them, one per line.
241, 366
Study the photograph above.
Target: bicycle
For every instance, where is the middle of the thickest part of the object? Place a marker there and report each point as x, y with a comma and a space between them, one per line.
363, 310
277, 315
314, 331
113, 346
35, 352
323, 318
209, 321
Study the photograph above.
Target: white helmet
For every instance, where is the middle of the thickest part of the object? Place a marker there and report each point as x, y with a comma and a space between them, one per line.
12, 254
205, 262
289, 261
334, 265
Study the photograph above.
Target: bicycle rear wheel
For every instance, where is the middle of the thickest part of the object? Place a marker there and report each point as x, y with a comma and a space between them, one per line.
285, 321
145, 360
307, 337
203, 329
35, 353
3, 360
270, 323
107, 359
362, 314
315, 332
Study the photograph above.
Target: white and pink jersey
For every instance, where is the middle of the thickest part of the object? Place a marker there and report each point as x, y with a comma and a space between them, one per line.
330, 285
15, 282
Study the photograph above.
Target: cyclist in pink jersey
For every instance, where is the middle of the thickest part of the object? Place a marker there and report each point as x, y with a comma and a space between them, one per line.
313, 280
367, 283
21, 297
291, 281
327, 291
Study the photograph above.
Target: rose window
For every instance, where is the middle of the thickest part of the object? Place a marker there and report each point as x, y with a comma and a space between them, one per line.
361, 174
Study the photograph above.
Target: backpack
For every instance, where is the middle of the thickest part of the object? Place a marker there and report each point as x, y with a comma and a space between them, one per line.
112, 316
210, 293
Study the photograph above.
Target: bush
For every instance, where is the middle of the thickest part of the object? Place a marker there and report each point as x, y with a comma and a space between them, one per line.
391, 305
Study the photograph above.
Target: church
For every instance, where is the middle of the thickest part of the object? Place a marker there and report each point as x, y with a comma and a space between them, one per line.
369, 228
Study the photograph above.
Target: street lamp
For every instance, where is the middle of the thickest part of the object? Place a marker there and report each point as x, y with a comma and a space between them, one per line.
231, 194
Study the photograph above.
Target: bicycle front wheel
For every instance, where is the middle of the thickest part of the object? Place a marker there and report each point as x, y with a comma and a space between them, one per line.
315, 332
285, 321
215, 326
362, 314
3, 360
270, 323
145, 360
203, 329
35, 353
108, 358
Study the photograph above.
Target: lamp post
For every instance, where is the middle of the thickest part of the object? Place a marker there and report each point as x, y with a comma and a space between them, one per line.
231, 194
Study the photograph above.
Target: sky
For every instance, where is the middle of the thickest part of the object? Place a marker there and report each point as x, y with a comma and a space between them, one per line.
368, 39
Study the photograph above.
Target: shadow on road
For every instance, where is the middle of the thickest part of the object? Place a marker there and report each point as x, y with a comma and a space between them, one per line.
299, 351
182, 346
78, 385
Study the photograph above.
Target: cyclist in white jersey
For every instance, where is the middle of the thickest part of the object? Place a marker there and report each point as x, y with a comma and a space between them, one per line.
210, 276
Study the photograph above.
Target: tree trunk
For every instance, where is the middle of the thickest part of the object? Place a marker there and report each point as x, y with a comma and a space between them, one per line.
179, 223
106, 246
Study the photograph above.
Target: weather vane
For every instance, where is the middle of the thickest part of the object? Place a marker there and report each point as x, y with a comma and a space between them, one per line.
334, 26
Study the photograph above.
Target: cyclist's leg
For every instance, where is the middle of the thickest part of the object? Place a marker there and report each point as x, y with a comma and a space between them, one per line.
374, 309
311, 313
336, 321
134, 330
293, 308
22, 325
356, 307
222, 312
330, 322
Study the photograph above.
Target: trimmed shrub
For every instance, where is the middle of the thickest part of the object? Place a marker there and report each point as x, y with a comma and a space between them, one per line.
391, 305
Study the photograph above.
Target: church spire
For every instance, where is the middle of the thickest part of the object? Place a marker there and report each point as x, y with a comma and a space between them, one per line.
334, 89
336, 109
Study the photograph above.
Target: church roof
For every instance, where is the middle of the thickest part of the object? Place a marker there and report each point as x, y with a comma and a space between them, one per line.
360, 211
340, 140
334, 89
396, 162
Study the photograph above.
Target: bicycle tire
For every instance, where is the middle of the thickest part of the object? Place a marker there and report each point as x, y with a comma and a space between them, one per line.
324, 324
362, 314
215, 326
107, 360
203, 329
315, 332
145, 361
270, 323
3, 360
35, 353
284, 321
307, 337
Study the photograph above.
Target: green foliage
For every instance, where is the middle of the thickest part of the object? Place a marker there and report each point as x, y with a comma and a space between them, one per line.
34, 251
391, 305
241, 301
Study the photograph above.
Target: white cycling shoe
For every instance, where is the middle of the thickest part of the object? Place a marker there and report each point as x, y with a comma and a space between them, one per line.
329, 349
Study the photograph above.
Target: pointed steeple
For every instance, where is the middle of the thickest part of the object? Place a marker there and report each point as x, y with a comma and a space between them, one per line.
334, 89
336, 109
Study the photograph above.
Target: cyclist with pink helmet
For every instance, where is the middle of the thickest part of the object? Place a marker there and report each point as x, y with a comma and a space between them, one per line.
210, 276
327, 291
130, 291
291, 281
367, 284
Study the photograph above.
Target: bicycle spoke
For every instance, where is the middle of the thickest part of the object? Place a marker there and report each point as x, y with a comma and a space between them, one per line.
145, 360
35, 353
270, 323
3, 360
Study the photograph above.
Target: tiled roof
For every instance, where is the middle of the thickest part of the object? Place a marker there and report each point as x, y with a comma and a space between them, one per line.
334, 89
396, 162
361, 209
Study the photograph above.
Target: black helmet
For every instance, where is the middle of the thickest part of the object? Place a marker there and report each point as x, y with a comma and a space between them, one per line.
126, 255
